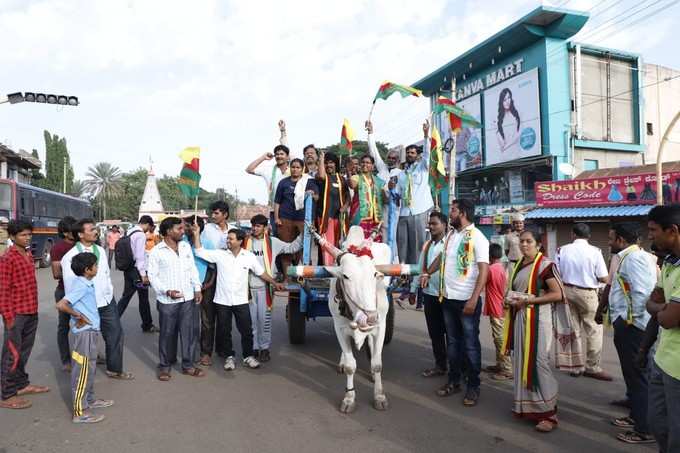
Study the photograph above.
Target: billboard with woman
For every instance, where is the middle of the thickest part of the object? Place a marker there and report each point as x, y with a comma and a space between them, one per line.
512, 120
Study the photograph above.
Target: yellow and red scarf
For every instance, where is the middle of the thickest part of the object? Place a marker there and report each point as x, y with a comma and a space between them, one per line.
464, 256
625, 289
530, 346
323, 222
268, 260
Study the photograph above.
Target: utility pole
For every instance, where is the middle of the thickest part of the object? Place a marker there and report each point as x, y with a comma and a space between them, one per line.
452, 154
659, 160
64, 191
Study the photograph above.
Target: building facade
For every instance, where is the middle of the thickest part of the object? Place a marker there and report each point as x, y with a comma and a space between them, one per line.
550, 109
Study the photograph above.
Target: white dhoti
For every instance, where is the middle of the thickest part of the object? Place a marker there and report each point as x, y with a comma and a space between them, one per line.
262, 318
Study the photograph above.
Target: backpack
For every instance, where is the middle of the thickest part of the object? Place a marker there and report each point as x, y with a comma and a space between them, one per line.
125, 259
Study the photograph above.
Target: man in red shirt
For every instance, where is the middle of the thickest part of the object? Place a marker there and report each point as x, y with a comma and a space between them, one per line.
493, 308
19, 309
56, 254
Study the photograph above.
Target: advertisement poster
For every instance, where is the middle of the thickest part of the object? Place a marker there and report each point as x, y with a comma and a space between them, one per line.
469, 140
610, 190
516, 187
512, 119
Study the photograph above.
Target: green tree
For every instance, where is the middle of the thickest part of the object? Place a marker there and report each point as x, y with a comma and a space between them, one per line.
57, 164
37, 178
359, 148
104, 183
79, 189
132, 185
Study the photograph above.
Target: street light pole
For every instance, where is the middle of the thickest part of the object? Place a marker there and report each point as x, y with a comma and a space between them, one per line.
659, 160
64, 174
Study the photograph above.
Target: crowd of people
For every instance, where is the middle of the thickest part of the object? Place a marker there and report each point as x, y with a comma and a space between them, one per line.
542, 310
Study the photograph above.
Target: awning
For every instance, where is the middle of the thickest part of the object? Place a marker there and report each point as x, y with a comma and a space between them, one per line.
592, 212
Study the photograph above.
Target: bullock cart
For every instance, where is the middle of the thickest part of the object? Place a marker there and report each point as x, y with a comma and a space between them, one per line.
308, 295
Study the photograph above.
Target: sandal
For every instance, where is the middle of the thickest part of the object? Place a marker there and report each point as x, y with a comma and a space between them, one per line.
624, 422
194, 372
431, 372
471, 397
448, 389
33, 390
545, 426
15, 403
205, 361
634, 437
163, 376
123, 376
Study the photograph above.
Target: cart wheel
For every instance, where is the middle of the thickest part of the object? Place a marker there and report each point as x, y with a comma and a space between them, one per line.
389, 322
296, 319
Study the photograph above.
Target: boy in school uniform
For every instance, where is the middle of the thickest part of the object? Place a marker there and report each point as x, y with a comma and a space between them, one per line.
80, 303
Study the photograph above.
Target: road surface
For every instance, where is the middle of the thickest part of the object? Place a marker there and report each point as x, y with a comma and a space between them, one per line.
290, 404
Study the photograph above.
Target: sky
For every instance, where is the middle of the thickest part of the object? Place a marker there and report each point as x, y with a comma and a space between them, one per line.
155, 76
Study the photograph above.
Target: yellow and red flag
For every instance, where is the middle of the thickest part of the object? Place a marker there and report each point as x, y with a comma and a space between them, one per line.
346, 136
387, 89
189, 176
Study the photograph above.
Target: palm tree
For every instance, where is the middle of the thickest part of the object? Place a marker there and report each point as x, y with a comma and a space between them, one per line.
79, 189
104, 183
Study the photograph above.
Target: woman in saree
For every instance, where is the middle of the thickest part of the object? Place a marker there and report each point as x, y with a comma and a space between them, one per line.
537, 320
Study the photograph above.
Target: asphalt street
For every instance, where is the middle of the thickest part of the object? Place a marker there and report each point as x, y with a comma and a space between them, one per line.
291, 403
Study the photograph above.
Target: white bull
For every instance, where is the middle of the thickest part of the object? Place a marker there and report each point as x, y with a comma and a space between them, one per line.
358, 304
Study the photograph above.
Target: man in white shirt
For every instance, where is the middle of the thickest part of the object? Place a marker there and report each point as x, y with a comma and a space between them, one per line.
174, 277
416, 200
274, 172
231, 294
216, 232
466, 267
583, 269
112, 331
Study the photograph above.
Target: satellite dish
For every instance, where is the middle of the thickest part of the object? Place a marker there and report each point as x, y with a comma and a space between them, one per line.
567, 169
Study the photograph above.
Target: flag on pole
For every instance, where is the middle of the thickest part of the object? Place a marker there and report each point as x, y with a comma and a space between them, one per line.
458, 117
438, 179
346, 136
387, 89
189, 177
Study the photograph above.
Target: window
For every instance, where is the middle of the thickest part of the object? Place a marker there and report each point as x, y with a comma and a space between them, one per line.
650, 129
607, 112
590, 164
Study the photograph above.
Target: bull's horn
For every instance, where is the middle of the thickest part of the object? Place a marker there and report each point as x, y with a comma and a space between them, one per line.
330, 248
312, 271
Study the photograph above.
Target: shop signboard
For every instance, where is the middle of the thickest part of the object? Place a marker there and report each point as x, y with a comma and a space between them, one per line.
469, 140
608, 190
512, 119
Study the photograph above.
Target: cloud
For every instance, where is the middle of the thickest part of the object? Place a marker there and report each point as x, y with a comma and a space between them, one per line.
155, 76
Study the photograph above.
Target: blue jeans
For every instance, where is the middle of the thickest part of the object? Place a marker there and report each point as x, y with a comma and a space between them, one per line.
627, 339
664, 410
112, 332
462, 342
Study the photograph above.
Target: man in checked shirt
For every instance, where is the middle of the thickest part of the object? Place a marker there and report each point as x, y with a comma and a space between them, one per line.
19, 309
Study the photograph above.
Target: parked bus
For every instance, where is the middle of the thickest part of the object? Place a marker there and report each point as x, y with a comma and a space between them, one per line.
43, 208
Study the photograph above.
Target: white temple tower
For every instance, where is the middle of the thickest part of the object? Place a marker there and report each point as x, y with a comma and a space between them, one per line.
151, 200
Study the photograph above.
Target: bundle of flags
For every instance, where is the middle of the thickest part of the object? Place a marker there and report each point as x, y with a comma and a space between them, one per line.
189, 177
387, 89
346, 136
458, 117
438, 178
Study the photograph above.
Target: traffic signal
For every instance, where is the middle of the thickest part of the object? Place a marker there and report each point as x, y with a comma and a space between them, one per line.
43, 98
